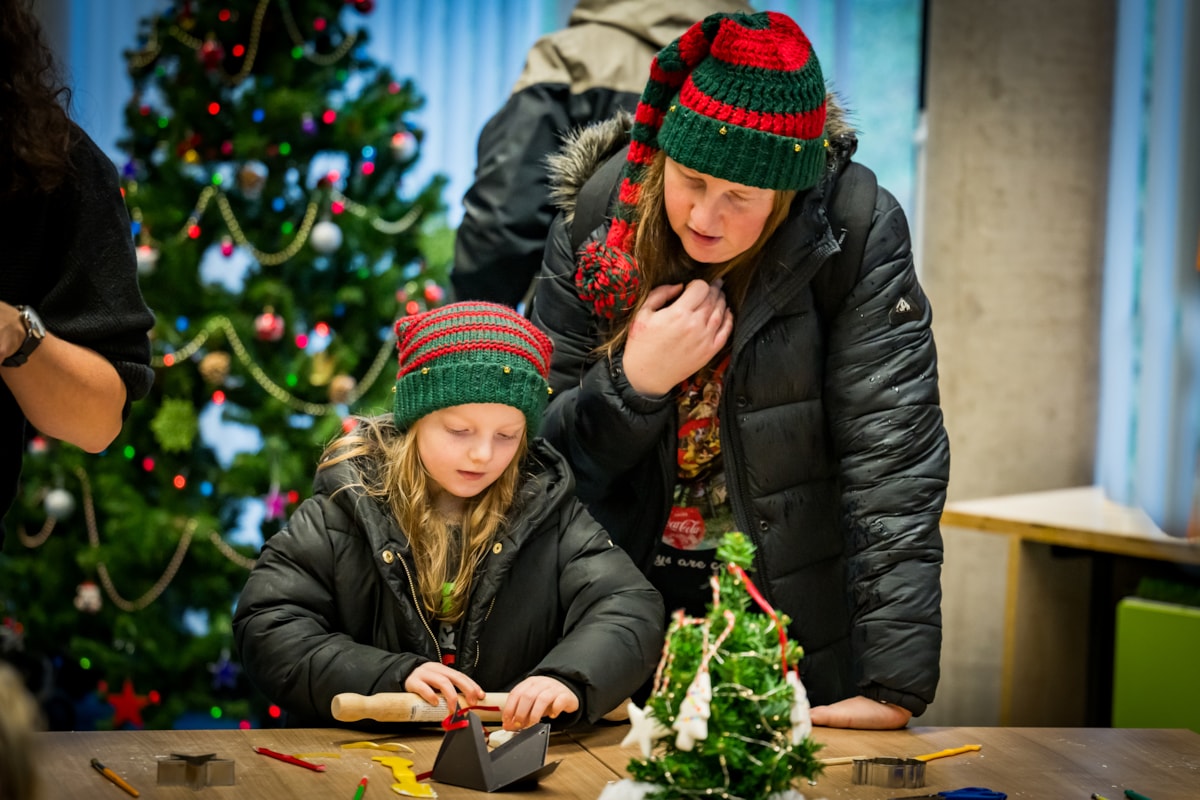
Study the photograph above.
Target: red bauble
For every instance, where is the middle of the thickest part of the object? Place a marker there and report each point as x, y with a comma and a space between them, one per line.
434, 294
268, 326
364, 6
211, 54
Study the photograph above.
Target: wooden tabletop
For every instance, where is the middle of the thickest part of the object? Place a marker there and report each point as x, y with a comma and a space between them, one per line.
1049, 763
1058, 763
67, 773
1082, 517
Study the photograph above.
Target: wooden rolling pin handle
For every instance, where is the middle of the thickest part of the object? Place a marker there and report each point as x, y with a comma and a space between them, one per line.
405, 707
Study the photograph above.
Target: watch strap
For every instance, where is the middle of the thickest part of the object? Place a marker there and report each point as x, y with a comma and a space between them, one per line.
34, 333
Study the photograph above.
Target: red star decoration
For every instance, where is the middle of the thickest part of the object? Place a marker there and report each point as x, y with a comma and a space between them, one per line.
127, 706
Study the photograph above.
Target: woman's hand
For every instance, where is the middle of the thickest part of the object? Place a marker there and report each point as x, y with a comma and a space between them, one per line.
536, 697
862, 713
432, 679
670, 341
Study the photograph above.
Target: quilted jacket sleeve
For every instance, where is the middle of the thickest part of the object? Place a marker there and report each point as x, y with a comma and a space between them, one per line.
882, 394
507, 210
595, 418
614, 624
288, 625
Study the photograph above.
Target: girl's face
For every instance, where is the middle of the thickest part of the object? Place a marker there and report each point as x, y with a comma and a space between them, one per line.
715, 219
466, 448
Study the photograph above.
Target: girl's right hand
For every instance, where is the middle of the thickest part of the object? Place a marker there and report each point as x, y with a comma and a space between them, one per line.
432, 679
669, 341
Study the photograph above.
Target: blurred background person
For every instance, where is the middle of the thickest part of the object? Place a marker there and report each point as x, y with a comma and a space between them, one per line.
581, 74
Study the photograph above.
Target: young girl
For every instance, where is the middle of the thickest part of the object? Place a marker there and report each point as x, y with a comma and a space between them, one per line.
444, 553
703, 361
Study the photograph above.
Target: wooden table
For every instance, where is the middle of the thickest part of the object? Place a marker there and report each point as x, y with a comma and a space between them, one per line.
1049, 763
67, 774
1023, 762
1072, 554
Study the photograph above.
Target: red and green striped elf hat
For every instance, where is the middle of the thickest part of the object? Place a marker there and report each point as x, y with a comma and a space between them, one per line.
471, 352
739, 97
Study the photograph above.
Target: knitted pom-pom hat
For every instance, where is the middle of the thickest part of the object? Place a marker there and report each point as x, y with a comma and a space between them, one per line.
471, 352
739, 97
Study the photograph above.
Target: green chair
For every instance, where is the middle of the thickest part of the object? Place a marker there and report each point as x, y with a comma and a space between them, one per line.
1156, 670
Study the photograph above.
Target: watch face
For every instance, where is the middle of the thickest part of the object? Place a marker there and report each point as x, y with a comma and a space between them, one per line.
33, 323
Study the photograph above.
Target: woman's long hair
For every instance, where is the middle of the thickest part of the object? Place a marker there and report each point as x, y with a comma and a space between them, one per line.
390, 469
661, 258
35, 130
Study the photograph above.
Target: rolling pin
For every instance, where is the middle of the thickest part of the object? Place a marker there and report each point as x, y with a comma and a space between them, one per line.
406, 707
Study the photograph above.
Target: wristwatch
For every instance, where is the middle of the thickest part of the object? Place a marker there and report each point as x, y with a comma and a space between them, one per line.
35, 331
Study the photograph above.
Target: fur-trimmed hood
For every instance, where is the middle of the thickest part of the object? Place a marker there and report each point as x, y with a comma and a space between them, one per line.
585, 149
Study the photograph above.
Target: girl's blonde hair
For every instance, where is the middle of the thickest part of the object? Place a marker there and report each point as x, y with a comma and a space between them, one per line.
390, 469
661, 258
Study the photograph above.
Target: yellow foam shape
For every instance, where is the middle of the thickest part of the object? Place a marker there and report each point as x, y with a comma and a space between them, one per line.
406, 780
393, 746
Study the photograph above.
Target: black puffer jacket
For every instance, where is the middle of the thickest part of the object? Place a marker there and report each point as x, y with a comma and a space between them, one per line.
835, 454
330, 605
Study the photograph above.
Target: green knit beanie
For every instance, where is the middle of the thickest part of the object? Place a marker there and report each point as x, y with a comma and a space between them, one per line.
739, 97
471, 352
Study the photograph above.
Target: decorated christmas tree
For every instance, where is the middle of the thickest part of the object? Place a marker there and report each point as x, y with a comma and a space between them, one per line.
277, 243
727, 717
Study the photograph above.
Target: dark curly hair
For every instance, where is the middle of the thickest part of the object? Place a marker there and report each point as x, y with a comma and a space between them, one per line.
35, 129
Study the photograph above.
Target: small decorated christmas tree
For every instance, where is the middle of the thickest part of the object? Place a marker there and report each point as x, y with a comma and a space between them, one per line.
728, 717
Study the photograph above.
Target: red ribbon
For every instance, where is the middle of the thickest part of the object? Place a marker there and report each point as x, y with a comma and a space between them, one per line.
458, 718
766, 607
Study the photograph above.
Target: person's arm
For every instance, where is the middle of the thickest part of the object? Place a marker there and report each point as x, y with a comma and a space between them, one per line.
615, 620
65, 391
95, 360
595, 418
507, 210
881, 392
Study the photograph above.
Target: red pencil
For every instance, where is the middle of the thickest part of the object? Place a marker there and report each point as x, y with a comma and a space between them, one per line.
299, 762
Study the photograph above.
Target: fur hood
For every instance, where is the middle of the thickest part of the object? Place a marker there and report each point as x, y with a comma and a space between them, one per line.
585, 149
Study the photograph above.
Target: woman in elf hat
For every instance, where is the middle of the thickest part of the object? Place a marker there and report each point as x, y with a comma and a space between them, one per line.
444, 553
713, 284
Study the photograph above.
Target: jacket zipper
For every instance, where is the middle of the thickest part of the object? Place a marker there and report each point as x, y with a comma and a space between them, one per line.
478, 649
730, 443
417, 605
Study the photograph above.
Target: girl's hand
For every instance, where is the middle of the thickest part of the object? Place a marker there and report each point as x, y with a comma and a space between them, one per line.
432, 679
670, 341
862, 713
536, 697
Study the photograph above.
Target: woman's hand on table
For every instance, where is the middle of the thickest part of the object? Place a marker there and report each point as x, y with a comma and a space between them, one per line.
862, 713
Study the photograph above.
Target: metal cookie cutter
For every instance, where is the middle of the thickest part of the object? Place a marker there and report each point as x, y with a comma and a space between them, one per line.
894, 773
898, 773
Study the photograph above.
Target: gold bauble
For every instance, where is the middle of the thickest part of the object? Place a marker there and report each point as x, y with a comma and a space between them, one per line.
340, 388
214, 368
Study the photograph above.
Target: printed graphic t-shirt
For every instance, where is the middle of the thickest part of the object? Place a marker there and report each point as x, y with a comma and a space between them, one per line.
701, 512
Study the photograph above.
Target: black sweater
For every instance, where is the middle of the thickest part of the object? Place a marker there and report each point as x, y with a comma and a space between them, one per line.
69, 255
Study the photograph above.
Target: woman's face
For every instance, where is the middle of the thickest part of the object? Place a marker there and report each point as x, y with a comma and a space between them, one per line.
466, 448
715, 219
